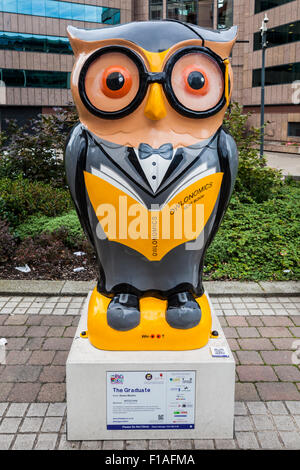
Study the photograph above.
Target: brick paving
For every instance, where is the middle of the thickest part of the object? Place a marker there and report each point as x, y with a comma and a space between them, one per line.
39, 333
224, 305
258, 425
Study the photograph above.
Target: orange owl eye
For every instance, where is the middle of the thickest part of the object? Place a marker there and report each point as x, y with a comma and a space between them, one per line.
116, 82
195, 80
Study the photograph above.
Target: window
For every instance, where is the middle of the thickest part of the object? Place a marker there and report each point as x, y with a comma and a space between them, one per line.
224, 14
90, 14
284, 34
35, 78
206, 13
24, 7
77, 11
52, 9
183, 11
262, 5
109, 16
294, 129
34, 43
38, 7
280, 74
155, 9
60, 9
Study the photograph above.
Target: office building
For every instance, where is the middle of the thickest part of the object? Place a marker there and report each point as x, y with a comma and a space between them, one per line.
35, 55
282, 72
36, 59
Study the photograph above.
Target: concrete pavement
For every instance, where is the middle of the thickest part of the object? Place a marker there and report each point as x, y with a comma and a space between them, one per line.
80, 288
289, 163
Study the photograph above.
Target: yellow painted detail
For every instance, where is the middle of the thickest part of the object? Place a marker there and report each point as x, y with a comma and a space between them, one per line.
226, 62
152, 334
153, 233
155, 106
155, 59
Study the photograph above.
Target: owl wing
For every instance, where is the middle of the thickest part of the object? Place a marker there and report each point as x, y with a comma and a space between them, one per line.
75, 165
228, 156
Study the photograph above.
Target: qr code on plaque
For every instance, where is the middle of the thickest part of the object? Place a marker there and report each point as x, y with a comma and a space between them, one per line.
160, 417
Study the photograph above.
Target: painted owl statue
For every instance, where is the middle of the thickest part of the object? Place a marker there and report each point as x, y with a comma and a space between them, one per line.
151, 172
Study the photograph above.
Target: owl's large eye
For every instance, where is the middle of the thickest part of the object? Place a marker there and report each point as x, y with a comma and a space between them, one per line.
116, 81
112, 81
197, 81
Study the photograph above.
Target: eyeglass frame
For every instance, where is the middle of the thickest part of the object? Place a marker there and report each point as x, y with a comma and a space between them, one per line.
147, 78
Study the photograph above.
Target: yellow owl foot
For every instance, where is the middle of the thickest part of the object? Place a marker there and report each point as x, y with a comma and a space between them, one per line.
152, 333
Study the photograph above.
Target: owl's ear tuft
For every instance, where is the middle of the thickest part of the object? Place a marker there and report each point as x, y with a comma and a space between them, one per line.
231, 37
229, 34
224, 42
74, 35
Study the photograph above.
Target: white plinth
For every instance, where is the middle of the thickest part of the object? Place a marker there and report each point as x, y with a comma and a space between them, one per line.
86, 388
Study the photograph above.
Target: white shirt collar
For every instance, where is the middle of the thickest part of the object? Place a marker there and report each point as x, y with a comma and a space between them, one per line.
154, 168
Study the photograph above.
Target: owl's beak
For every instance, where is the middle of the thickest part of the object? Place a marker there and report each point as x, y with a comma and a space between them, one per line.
155, 107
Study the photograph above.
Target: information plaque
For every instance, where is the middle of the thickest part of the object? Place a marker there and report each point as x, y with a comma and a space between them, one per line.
151, 400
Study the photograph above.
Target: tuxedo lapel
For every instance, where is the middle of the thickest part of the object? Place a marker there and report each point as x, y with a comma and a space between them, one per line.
131, 159
126, 160
184, 158
182, 161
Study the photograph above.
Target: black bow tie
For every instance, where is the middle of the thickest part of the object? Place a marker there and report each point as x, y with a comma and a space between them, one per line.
165, 151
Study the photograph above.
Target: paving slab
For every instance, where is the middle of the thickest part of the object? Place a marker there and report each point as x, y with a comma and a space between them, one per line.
232, 288
280, 287
77, 287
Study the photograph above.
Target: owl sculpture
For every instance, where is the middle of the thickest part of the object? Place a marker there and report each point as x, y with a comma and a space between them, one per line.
151, 171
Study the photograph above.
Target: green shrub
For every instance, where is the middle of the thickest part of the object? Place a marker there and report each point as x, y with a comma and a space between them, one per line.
46, 250
21, 198
35, 150
258, 241
7, 242
40, 224
255, 181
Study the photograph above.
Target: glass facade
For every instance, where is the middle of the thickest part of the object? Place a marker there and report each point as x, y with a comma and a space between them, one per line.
224, 14
283, 34
185, 10
262, 5
63, 10
155, 10
35, 78
34, 43
277, 75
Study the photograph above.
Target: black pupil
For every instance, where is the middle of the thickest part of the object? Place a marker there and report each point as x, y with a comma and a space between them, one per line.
196, 80
115, 81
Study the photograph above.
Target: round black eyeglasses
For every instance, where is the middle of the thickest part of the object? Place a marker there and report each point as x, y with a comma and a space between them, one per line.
164, 78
